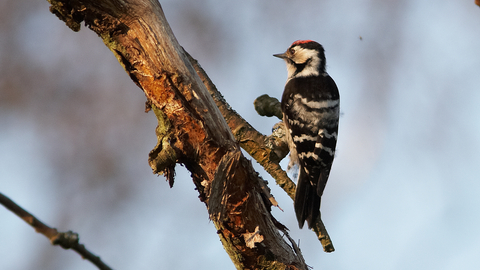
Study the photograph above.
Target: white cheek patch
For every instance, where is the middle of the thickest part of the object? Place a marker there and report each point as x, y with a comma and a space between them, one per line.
301, 57
309, 70
312, 68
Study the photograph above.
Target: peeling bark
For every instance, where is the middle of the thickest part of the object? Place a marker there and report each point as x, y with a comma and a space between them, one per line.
191, 129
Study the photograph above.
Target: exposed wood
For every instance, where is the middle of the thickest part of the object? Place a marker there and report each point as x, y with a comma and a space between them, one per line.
191, 129
268, 151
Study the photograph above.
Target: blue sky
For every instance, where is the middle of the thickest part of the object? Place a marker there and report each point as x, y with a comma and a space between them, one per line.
403, 192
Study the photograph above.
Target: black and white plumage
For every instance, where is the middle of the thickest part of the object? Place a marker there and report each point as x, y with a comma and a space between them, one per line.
310, 106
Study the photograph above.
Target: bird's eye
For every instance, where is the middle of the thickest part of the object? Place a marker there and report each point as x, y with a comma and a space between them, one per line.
292, 51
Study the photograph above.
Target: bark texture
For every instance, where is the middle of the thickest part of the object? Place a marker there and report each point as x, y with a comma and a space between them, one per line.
191, 129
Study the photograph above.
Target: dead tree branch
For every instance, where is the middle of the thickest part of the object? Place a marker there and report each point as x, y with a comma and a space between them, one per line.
191, 129
67, 240
268, 151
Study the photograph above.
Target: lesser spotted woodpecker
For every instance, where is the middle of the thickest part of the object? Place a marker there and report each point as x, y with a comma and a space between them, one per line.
310, 106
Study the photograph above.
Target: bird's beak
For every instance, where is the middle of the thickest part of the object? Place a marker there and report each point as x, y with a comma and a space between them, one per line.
281, 55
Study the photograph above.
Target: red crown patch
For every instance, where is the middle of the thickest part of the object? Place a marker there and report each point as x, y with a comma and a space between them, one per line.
298, 42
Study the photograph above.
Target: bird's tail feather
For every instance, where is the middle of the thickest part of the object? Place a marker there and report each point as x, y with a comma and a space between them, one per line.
307, 201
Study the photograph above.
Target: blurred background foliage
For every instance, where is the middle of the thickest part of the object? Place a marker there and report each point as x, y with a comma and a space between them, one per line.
403, 194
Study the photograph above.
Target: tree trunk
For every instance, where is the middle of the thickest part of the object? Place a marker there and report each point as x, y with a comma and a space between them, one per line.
191, 130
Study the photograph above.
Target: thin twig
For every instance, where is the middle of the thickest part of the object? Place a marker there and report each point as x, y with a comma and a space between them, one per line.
67, 240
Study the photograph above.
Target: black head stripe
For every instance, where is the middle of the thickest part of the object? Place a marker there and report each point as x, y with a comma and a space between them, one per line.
300, 67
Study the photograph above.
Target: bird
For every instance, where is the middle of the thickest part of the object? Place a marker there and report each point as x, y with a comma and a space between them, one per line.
310, 107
